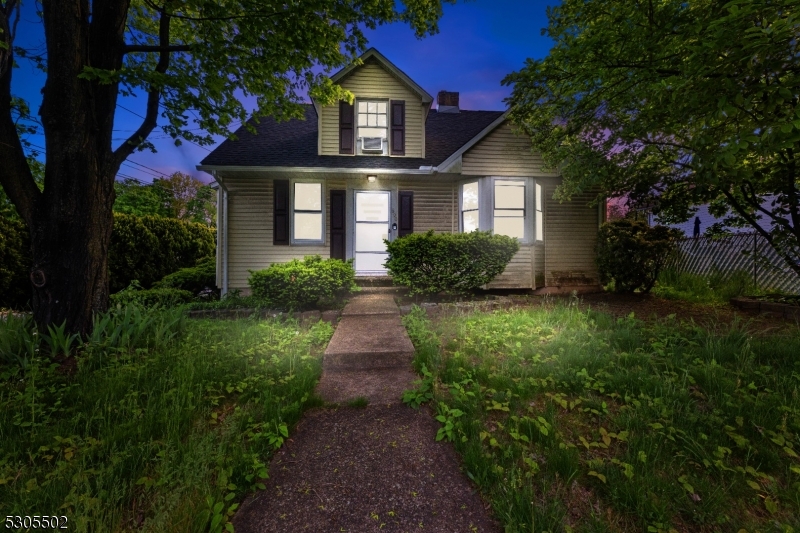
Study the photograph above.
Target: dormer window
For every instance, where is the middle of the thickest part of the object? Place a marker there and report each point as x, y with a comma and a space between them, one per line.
373, 127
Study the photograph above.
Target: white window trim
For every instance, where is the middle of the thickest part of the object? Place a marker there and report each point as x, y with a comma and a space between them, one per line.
386, 139
323, 191
461, 203
537, 188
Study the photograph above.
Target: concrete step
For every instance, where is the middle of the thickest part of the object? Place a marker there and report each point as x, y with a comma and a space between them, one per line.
369, 342
374, 281
371, 304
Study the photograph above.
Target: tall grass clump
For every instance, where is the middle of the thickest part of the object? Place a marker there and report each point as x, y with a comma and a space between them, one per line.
164, 424
572, 420
716, 287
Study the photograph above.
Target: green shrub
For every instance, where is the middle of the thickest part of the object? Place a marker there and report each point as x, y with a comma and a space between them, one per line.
193, 279
15, 263
449, 262
631, 254
148, 248
299, 284
134, 294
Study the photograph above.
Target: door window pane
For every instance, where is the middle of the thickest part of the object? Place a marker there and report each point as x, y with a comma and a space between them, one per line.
369, 237
370, 262
372, 207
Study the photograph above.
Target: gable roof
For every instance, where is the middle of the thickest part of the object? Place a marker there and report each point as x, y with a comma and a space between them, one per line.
294, 144
373, 55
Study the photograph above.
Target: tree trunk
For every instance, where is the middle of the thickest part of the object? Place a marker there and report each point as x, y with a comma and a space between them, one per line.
70, 221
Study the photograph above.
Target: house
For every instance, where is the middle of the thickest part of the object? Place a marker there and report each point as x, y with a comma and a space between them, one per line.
348, 176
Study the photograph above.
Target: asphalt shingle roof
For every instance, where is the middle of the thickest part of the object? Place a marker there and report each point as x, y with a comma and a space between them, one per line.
294, 143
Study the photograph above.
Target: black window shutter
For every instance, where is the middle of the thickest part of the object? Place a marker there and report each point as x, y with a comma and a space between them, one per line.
398, 127
406, 199
337, 225
346, 128
280, 227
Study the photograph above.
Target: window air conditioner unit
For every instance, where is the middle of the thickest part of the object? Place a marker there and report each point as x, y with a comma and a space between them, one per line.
372, 144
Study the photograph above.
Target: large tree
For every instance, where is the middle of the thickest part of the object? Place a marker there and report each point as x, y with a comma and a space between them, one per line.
674, 103
188, 57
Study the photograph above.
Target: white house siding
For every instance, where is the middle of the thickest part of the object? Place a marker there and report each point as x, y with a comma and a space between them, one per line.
250, 226
372, 81
570, 235
435, 204
502, 153
518, 273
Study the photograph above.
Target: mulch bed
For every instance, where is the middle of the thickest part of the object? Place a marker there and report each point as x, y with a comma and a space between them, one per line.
360, 470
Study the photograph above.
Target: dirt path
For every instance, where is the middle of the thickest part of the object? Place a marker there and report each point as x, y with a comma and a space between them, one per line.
376, 468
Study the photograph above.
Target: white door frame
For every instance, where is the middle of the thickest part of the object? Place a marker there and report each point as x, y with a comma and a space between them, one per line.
389, 232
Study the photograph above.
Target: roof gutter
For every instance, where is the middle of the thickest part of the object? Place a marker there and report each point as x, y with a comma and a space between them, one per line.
318, 170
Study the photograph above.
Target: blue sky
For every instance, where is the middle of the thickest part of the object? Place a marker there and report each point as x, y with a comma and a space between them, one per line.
479, 43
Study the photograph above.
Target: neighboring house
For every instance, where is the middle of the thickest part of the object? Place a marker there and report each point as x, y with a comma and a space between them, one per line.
348, 176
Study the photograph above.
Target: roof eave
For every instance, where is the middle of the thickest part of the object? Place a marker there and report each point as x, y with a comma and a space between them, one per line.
402, 76
319, 170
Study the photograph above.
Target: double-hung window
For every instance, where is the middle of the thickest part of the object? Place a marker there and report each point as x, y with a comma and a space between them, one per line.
307, 211
509, 208
470, 208
372, 125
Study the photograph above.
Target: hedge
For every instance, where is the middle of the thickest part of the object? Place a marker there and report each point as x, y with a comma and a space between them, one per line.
630, 254
449, 262
135, 295
142, 248
300, 284
194, 279
15, 264
148, 248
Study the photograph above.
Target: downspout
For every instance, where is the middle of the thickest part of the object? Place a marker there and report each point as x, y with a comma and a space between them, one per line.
224, 233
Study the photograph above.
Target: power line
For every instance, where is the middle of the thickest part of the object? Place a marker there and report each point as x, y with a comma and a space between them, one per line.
159, 127
119, 173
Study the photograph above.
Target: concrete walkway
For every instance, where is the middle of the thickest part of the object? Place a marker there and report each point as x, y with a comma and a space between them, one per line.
370, 353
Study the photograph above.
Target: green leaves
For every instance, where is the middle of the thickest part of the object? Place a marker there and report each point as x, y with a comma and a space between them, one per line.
298, 284
676, 105
429, 263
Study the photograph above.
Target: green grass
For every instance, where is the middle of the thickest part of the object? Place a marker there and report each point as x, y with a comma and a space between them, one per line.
714, 288
574, 421
160, 436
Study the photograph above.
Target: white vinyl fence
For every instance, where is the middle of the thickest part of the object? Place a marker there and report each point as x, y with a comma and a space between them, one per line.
743, 251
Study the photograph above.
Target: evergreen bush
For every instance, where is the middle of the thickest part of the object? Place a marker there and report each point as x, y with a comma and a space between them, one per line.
148, 248
15, 263
449, 262
300, 284
630, 254
194, 279
135, 294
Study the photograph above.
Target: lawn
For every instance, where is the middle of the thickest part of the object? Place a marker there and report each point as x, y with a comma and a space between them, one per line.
163, 425
574, 421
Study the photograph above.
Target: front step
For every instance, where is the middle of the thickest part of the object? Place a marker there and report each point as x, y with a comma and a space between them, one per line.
374, 281
363, 342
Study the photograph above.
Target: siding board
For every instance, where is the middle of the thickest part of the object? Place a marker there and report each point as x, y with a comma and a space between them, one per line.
372, 81
502, 153
250, 229
570, 235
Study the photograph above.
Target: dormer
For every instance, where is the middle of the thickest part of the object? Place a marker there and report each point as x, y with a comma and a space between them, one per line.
387, 118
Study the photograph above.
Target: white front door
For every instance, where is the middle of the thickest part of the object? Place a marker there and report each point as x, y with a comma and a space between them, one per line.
372, 227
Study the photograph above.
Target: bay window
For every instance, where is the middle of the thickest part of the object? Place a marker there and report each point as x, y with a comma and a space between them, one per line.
470, 219
509, 208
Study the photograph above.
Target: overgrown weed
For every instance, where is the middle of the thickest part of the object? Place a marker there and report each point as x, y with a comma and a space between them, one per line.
166, 424
663, 426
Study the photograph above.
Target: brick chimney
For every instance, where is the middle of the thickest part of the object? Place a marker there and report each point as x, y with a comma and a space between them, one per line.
447, 101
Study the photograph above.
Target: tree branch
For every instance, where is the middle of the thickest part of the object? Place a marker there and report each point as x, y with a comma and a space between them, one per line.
131, 48
153, 95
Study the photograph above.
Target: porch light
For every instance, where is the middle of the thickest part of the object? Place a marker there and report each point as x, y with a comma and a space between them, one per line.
371, 179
